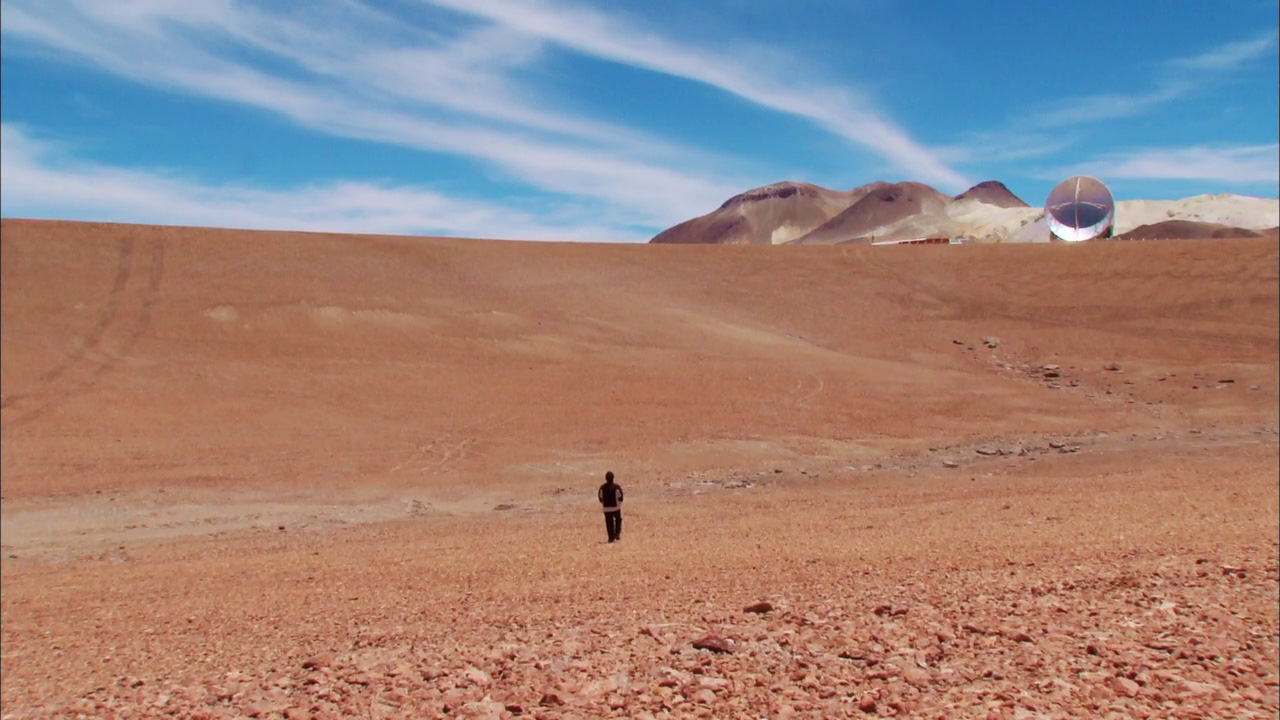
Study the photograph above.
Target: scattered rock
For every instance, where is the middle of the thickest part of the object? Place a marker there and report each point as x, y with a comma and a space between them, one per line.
476, 676
1124, 686
760, 607
551, 699
482, 709
991, 341
1111, 367
713, 643
317, 662
917, 676
867, 704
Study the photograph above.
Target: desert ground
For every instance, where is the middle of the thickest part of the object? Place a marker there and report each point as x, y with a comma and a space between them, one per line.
257, 474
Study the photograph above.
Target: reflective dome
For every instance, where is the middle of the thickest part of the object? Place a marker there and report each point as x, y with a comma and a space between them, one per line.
1080, 208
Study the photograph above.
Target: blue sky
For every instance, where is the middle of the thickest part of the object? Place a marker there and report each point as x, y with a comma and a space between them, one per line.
609, 121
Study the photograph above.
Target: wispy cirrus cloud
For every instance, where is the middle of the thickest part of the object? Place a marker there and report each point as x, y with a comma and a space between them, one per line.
1175, 79
1094, 108
1229, 55
42, 180
836, 109
1230, 165
452, 86
344, 69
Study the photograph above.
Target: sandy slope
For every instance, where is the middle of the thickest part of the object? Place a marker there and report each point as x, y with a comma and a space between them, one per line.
227, 453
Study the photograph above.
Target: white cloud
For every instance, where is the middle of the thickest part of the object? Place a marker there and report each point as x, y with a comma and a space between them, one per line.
1230, 55
354, 71
344, 69
1176, 78
833, 108
1231, 165
995, 147
1092, 108
40, 180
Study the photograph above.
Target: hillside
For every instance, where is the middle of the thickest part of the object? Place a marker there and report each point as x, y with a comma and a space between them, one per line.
273, 474
769, 215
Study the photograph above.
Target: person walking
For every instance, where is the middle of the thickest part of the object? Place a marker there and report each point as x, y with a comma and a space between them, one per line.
610, 497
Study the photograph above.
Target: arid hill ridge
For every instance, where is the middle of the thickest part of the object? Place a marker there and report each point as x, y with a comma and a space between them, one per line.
808, 214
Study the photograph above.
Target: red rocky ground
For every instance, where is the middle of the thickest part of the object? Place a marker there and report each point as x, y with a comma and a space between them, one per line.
286, 475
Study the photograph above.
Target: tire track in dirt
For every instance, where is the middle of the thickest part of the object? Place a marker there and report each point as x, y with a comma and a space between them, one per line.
124, 267
125, 316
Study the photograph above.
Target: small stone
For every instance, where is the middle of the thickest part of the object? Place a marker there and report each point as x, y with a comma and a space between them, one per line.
713, 643
991, 341
759, 608
1251, 694
481, 709
1125, 686
949, 463
1111, 367
476, 676
867, 704
917, 676
705, 696
317, 662
1021, 637
551, 699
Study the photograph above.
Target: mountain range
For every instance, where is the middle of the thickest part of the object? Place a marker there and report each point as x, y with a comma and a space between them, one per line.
807, 214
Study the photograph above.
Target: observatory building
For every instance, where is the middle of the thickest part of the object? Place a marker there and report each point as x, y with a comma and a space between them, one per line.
1080, 208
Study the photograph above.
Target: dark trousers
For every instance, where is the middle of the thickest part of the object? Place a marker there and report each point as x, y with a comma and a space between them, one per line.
613, 524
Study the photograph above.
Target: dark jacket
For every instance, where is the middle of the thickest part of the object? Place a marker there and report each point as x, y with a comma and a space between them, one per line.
610, 495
